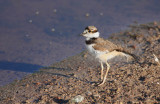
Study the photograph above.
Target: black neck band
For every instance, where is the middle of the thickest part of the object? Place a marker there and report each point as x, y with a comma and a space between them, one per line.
90, 41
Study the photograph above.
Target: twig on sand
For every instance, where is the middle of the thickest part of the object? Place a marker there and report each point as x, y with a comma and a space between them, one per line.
156, 59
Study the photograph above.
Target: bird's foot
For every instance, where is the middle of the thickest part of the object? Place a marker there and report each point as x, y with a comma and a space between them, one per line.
101, 84
98, 83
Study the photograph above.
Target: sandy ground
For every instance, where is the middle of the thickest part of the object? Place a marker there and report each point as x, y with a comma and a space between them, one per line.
127, 82
41, 32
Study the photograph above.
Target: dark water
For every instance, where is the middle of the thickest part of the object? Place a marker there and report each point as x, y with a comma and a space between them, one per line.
37, 33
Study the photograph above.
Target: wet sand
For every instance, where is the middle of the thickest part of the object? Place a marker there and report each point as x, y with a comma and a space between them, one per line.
127, 82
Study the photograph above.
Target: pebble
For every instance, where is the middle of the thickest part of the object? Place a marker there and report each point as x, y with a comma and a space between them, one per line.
77, 99
53, 29
101, 14
26, 35
87, 14
37, 12
97, 95
88, 93
27, 85
30, 21
55, 10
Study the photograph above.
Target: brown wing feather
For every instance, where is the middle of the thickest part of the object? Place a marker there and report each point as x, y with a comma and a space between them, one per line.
104, 45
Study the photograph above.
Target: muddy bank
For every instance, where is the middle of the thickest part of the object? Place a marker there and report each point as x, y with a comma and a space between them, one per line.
132, 82
45, 32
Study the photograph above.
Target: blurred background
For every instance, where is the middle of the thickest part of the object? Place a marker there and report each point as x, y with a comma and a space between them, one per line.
38, 33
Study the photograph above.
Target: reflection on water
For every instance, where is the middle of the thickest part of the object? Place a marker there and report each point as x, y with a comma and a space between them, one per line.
43, 32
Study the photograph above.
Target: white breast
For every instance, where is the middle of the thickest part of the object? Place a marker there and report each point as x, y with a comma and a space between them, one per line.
90, 48
93, 51
101, 55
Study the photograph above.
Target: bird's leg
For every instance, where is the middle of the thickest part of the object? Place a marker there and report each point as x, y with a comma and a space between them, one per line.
101, 71
104, 79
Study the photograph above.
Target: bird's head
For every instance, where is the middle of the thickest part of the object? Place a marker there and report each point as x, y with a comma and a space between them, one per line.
90, 32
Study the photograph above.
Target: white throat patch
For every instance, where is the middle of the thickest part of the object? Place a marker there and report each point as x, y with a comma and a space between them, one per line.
93, 35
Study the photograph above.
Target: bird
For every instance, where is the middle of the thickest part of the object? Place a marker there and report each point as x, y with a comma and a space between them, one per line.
103, 49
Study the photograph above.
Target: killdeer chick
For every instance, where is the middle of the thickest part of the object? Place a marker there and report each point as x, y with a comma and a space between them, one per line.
103, 50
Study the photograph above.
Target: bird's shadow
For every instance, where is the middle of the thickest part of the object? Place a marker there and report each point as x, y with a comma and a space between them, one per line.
22, 67
56, 68
64, 75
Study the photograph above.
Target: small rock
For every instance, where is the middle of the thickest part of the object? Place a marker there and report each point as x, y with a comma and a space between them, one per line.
77, 99
88, 93
53, 29
37, 83
46, 90
37, 12
26, 35
30, 21
27, 85
55, 10
97, 95
87, 14
101, 14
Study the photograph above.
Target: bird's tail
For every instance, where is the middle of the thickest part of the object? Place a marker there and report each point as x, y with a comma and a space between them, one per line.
128, 55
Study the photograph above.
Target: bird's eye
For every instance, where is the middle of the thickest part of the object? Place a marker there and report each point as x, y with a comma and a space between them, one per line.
89, 30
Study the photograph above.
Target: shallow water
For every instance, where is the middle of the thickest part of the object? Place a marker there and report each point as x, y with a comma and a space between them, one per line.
34, 34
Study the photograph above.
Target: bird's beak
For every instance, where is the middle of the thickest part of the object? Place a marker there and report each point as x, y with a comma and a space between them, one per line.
82, 34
